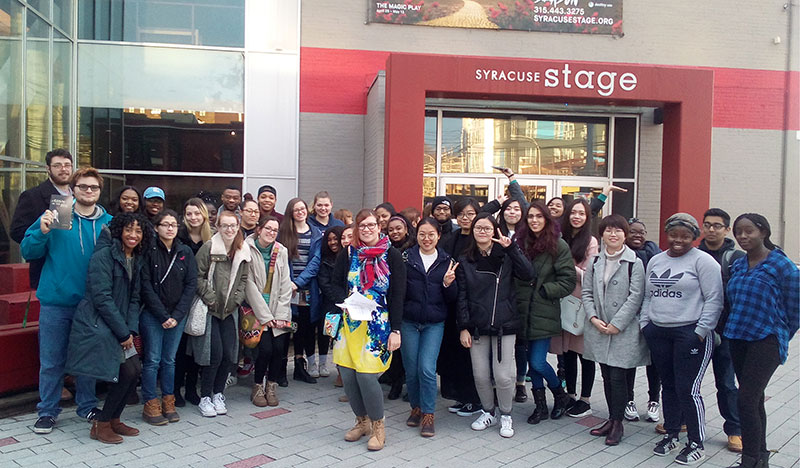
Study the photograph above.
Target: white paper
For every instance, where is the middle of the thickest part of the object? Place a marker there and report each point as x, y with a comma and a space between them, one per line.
358, 306
130, 352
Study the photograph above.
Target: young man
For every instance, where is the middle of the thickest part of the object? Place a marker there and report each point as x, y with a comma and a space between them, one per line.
154, 199
66, 255
267, 197
231, 199
34, 201
441, 210
716, 226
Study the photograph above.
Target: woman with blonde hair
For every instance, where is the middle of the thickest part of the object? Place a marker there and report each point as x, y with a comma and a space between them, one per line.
196, 227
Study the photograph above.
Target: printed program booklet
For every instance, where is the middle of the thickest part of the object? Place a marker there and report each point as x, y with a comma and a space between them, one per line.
61, 206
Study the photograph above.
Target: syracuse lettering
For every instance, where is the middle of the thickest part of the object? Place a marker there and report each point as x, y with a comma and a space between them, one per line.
604, 83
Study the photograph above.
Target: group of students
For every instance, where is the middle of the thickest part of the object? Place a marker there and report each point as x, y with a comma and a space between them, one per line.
481, 301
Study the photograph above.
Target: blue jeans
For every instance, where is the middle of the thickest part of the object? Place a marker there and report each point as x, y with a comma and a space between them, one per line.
160, 346
420, 347
727, 393
540, 369
55, 323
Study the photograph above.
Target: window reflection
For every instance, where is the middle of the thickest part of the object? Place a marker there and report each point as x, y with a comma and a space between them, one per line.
37, 88
526, 144
177, 189
429, 163
11, 78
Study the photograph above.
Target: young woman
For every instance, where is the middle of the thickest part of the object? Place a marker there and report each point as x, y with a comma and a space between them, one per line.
576, 232
509, 217
269, 293
345, 216
364, 349
266, 198
488, 319
331, 246
454, 360
222, 291
107, 319
384, 211
169, 280
430, 274
764, 315
320, 216
347, 235
556, 208
127, 200
539, 303
212, 214
303, 242
401, 235
612, 292
250, 213
412, 215
682, 303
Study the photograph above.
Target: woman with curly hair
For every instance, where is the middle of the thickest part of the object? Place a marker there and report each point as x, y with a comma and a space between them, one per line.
107, 319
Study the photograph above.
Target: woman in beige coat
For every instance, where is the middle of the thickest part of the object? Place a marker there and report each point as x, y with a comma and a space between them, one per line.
269, 293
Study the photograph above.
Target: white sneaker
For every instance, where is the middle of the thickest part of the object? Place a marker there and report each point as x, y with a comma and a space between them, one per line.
206, 407
653, 414
506, 428
231, 380
631, 413
323, 370
219, 404
484, 420
313, 370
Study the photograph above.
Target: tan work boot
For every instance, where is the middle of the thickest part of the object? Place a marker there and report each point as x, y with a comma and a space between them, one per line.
151, 414
257, 396
378, 439
168, 408
362, 428
102, 431
272, 393
428, 427
122, 429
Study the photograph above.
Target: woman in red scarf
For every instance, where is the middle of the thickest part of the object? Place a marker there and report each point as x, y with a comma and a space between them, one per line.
363, 349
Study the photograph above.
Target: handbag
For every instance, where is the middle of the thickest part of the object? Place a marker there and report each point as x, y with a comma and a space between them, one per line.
573, 317
198, 311
333, 322
250, 329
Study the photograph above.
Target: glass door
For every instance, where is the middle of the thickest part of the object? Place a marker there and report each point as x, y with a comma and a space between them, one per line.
571, 189
481, 189
533, 189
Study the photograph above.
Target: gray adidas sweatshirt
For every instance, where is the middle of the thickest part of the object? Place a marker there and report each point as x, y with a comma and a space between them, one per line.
683, 290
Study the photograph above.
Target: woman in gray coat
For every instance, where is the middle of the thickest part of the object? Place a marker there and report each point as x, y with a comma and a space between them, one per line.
612, 295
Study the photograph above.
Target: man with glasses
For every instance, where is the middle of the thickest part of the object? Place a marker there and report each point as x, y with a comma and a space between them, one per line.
716, 226
34, 201
441, 212
66, 255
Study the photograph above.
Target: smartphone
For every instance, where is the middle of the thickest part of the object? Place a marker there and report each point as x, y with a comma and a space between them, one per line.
498, 168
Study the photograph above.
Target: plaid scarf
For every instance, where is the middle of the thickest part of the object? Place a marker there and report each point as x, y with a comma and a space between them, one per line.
372, 263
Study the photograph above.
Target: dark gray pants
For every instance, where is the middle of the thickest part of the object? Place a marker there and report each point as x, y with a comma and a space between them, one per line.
364, 392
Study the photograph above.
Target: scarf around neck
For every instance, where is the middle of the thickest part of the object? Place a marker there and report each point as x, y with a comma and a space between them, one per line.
372, 263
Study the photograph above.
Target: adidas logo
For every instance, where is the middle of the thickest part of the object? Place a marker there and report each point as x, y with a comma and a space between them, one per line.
694, 351
663, 283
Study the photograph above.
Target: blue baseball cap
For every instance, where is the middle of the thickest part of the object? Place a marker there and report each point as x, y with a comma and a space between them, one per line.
154, 192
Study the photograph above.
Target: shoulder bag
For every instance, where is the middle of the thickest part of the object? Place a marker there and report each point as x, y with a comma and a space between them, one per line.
198, 311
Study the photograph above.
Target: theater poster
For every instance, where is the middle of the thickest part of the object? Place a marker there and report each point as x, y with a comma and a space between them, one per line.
565, 16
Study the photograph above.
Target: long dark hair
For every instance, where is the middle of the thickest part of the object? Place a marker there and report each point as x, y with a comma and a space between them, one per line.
761, 223
546, 242
471, 250
114, 205
326, 252
123, 220
577, 238
501, 219
287, 233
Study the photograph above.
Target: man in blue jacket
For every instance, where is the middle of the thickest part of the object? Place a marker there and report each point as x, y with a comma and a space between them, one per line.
66, 255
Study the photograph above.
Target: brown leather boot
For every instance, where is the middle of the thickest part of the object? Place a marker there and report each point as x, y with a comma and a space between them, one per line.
414, 418
363, 427
168, 408
272, 393
102, 431
378, 439
602, 430
151, 413
615, 434
122, 429
427, 429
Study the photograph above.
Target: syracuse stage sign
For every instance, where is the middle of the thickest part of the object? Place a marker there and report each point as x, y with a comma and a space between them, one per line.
604, 83
570, 16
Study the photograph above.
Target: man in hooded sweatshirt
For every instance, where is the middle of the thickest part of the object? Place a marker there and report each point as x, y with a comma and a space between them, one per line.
62, 285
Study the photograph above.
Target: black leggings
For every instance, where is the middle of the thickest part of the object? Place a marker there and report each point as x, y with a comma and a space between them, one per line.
615, 386
653, 383
186, 370
270, 356
223, 339
118, 392
309, 334
754, 362
571, 374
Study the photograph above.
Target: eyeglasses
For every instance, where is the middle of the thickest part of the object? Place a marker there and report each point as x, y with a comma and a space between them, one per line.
427, 236
272, 230
88, 188
298, 210
251, 211
442, 209
484, 229
466, 215
59, 166
367, 226
228, 227
714, 226
169, 225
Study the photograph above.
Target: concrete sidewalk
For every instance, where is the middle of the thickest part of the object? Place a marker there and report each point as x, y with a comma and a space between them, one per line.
307, 430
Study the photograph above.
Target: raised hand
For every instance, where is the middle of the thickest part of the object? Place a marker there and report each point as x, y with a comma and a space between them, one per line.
45, 221
503, 241
450, 275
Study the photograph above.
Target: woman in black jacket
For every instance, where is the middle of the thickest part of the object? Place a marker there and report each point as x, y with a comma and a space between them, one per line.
331, 246
487, 316
169, 280
430, 273
107, 319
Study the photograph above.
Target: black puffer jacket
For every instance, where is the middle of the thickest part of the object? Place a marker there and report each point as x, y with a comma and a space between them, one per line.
172, 297
426, 297
486, 299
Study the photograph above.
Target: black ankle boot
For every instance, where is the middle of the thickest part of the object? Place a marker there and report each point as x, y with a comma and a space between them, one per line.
179, 401
540, 411
615, 434
300, 372
750, 462
397, 388
602, 430
560, 402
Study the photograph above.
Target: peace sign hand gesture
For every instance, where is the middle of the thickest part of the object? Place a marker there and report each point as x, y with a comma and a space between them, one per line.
503, 241
450, 275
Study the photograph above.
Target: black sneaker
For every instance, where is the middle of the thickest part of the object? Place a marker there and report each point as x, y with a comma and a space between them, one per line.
690, 454
455, 408
469, 409
44, 425
579, 409
666, 445
92, 414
